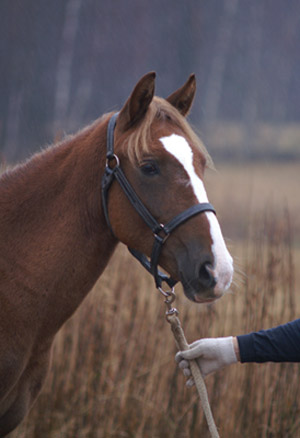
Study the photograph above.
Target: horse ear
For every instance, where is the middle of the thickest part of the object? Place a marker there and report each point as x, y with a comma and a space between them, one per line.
183, 98
138, 102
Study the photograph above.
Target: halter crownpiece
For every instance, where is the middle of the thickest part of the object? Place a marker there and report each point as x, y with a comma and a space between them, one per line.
160, 231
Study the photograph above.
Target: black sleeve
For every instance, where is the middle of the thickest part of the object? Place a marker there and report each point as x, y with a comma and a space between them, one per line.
279, 344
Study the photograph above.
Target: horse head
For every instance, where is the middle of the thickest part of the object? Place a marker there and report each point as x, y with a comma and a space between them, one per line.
164, 161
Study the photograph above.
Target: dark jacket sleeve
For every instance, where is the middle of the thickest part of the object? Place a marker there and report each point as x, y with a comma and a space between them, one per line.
279, 344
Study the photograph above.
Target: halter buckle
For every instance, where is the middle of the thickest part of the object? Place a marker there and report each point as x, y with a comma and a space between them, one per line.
158, 237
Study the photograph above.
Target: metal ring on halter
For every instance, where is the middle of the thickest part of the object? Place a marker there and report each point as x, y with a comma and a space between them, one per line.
112, 157
168, 294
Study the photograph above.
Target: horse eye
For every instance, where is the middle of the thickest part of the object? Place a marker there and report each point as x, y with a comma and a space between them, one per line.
149, 169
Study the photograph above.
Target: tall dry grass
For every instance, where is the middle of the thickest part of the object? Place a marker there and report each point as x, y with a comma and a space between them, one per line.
113, 371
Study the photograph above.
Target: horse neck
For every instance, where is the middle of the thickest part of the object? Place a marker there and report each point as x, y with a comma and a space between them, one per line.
53, 230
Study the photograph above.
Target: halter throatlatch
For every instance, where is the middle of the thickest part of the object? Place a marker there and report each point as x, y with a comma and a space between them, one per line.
160, 231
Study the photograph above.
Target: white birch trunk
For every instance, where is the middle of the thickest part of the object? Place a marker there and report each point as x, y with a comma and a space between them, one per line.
64, 66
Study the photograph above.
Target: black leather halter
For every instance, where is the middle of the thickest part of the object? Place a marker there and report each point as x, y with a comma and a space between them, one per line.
160, 231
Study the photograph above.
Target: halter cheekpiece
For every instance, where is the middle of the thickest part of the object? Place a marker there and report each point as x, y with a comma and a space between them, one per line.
160, 231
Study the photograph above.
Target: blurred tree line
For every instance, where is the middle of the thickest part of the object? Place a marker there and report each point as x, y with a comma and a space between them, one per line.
65, 62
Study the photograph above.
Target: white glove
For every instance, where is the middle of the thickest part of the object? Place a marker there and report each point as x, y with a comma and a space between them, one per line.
211, 355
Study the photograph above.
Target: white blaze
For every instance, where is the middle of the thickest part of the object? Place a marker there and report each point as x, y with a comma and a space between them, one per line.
181, 150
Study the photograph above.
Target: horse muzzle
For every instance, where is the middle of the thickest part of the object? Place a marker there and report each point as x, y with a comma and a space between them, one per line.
205, 280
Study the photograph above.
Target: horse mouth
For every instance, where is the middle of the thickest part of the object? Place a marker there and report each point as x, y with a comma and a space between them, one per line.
201, 300
195, 292
208, 297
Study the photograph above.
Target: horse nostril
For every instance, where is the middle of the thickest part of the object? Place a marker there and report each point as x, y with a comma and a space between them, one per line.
206, 276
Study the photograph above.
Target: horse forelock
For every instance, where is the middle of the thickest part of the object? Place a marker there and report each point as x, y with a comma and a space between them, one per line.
139, 140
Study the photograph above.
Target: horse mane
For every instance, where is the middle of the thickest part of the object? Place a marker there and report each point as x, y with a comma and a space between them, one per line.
139, 140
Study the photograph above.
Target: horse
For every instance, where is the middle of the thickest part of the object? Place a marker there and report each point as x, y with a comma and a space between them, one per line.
59, 228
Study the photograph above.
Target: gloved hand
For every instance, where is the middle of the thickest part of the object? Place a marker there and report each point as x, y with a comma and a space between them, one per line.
211, 354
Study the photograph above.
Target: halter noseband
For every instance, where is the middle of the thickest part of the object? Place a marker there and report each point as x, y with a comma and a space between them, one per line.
157, 228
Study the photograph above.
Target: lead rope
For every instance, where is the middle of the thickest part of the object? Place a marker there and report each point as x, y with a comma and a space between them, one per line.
181, 343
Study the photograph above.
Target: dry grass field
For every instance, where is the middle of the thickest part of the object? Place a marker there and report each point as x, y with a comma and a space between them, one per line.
113, 372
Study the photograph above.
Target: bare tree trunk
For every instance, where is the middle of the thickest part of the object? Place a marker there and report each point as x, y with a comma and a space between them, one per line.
250, 108
64, 66
215, 82
10, 149
80, 102
285, 66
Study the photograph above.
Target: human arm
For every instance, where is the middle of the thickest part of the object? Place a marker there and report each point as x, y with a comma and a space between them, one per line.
279, 344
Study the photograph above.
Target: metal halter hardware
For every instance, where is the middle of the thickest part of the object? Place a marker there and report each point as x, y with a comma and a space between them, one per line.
114, 171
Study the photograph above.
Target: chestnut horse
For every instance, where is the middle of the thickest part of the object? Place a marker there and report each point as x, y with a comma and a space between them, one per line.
56, 240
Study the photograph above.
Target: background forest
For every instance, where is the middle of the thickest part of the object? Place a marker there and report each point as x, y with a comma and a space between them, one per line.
65, 62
